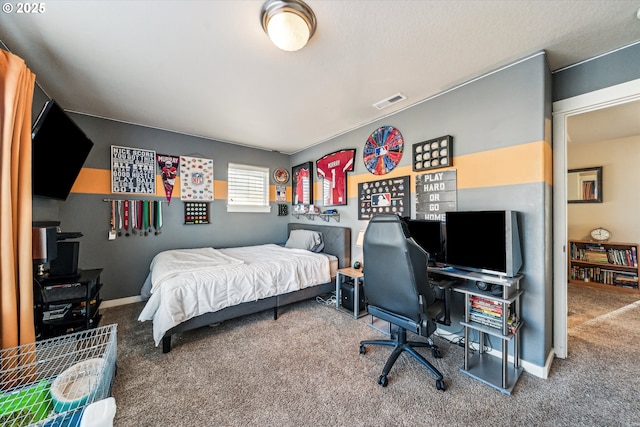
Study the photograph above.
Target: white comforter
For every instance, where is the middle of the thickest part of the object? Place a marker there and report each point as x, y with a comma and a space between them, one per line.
182, 288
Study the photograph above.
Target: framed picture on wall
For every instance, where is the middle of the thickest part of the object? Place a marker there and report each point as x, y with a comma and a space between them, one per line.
332, 170
133, 170
386, 196
302, 184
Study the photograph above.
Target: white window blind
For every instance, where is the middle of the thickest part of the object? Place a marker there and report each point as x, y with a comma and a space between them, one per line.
247, 188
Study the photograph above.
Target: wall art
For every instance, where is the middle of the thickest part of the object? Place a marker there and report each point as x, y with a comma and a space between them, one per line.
133, 170
332, 169
383, 150
196, 178
386, 196
302, 184
432, 154
436, 194
169, 172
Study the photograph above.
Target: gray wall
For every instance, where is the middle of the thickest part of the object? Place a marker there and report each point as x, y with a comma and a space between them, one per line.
506, 108
617, 67
126, 260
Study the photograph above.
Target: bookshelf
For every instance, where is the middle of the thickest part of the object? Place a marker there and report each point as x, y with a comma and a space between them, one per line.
608, 265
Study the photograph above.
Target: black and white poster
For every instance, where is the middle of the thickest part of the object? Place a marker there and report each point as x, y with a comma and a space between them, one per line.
386, 196
133, 170
436, 194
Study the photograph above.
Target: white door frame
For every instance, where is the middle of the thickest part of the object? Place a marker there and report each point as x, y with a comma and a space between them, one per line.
607, 97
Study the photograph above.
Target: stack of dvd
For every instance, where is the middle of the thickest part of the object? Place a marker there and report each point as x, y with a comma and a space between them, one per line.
489, 312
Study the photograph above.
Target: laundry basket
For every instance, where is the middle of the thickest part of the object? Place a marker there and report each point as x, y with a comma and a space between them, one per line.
50, 382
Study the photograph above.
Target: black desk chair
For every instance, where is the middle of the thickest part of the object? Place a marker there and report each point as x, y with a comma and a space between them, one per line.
398, 291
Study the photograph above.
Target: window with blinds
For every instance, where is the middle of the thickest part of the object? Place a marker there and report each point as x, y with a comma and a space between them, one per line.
247, 188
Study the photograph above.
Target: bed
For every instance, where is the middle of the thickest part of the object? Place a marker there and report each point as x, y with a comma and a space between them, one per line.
246, 284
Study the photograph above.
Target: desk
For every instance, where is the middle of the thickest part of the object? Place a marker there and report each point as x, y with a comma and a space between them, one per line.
357, 276
498, 373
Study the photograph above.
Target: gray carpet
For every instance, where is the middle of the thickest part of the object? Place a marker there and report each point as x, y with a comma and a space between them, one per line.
305, 369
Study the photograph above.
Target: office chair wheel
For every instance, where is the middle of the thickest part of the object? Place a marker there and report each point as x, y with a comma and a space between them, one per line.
436, 353
363, 350
440, 385
383, 381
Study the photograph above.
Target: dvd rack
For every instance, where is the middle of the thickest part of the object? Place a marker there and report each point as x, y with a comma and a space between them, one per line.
489, 314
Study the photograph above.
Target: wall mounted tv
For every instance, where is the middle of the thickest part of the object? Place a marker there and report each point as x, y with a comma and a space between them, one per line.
59, 149
484, 241
428, 234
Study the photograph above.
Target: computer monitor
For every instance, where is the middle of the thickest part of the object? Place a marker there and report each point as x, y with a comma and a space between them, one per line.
484, 241
428, 234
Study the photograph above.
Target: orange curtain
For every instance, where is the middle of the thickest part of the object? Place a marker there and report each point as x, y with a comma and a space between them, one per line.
16, 268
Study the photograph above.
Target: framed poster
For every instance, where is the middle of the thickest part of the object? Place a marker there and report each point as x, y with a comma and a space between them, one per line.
302, 184
196, 178
332, 169
383, 150
133, 170
386, 196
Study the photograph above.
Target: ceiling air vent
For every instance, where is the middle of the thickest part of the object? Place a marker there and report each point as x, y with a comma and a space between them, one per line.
391, 100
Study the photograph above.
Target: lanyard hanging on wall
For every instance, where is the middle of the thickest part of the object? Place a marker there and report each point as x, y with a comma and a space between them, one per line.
145, 217
126, 218
157, 205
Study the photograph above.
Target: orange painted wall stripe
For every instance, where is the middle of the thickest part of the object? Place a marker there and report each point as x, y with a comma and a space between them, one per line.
98, 181
518, 164
93, 181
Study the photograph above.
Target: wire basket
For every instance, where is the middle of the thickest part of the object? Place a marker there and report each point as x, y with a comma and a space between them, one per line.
50, 382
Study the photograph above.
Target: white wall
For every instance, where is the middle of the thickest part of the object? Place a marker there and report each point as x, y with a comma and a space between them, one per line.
618, 213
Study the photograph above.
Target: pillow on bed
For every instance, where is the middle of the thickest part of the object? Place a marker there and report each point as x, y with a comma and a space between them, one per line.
305, 239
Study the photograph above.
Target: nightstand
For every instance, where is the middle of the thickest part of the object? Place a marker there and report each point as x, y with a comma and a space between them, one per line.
357, 276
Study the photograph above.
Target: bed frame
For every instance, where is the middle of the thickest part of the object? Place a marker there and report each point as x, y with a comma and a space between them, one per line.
337, 241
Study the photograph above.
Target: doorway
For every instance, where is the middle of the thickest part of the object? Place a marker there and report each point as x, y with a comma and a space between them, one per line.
562, 111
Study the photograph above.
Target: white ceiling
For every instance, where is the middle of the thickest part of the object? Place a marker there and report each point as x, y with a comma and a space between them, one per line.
206, 68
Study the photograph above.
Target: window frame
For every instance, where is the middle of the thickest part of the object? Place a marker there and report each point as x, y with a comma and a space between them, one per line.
265, 191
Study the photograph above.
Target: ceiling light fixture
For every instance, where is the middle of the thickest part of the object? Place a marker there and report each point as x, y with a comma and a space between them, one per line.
288, 23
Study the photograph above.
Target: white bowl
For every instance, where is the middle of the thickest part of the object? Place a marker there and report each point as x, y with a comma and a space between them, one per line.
72, 387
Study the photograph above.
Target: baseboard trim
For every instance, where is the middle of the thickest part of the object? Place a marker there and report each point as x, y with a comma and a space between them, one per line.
535, 370
121, 301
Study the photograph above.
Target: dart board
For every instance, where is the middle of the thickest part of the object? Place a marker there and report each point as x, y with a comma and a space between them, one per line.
383, 150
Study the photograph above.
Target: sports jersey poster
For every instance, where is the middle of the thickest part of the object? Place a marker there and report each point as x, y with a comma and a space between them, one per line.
386, 196
169, 171
332, 169
302, 184
196, 178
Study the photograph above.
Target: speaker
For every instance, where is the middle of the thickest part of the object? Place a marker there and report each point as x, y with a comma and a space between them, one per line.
66, 263
347, 297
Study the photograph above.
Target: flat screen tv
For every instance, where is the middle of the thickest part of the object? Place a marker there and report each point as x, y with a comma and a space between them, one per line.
428, 234
59, 149
484, 241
